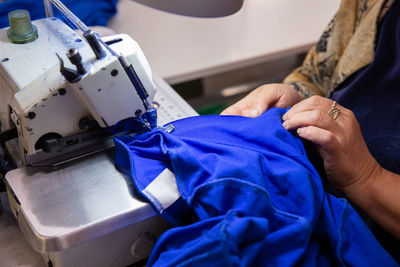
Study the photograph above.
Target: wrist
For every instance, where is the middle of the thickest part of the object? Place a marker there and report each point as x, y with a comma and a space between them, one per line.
362, 187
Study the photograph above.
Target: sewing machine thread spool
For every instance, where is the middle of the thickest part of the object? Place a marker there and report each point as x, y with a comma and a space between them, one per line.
21, 30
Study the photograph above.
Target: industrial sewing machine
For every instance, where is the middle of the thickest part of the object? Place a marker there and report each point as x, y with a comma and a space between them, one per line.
63, 96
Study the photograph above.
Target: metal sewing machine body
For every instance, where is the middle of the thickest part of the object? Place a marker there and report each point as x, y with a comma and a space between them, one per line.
56, 115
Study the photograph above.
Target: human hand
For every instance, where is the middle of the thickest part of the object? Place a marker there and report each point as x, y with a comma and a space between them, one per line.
263, 98
347, 161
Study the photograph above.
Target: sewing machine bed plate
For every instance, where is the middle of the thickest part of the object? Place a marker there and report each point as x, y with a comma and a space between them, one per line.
88, 198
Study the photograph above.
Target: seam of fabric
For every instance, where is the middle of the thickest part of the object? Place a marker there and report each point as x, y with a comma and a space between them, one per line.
253, 187
153, 200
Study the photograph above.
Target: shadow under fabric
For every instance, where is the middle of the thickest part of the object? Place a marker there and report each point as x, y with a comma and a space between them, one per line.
245, 194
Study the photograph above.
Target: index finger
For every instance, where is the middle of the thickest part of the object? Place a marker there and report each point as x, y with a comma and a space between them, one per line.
252, 105
243, 107
311, 103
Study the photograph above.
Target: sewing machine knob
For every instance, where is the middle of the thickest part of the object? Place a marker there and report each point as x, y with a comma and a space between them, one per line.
21, 30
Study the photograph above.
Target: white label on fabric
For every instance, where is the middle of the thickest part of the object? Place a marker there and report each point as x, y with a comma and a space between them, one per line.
163, 189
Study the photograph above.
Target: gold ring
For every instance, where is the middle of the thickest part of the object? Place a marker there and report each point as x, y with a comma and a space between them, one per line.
333, 111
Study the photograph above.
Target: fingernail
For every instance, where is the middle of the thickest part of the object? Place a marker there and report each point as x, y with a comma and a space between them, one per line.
254, 113
285, 124
284, 117
300, 131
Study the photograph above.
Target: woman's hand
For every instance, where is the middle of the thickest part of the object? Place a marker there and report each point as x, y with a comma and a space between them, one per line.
263, 98
347, 161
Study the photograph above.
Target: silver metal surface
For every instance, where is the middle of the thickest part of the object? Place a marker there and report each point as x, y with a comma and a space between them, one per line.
172, 106
48, 8
85, 199
75, 203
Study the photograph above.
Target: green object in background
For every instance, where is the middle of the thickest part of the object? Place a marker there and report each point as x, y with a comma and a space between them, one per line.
212, 110
21, 30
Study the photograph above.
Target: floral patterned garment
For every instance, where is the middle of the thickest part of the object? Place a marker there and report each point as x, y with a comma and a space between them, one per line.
346, 45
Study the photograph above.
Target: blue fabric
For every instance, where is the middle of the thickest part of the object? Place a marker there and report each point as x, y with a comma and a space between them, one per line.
373, 94
250, 194
91, 12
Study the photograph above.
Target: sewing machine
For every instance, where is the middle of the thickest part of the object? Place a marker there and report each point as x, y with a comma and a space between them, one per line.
60, 94
63, 96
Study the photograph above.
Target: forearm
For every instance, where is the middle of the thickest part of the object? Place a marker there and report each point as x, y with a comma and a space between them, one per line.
379, 197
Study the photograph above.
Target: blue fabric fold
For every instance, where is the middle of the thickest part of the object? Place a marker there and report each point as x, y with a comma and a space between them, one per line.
91, 12
248, 197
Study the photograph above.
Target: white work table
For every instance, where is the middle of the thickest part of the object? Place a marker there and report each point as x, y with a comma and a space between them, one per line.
183, 48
